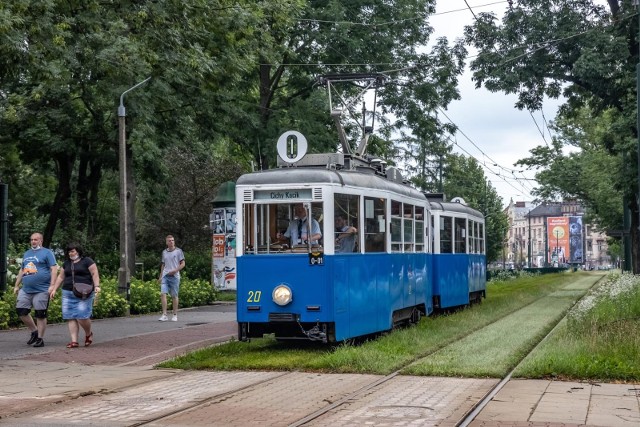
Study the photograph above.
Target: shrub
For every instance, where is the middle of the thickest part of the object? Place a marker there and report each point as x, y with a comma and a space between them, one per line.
144, 296
4, 314
109, 302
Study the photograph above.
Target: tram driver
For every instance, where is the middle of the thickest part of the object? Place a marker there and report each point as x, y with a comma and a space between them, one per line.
298, 230
345, 235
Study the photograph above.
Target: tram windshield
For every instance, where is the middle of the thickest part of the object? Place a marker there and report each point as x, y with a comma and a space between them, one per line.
282, 227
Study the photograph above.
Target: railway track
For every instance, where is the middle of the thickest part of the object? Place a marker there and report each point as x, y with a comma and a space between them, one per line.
294, 398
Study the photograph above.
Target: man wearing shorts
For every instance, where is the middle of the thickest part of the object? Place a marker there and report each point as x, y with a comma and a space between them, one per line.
37, 275
172, 263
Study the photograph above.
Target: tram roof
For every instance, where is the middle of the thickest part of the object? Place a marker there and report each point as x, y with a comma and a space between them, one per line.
300, 176
455, 207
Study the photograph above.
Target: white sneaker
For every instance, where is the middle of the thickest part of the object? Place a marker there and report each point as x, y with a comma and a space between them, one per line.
163, 318
174, 318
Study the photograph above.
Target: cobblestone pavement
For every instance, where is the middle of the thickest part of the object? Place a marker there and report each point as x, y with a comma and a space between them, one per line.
113, 383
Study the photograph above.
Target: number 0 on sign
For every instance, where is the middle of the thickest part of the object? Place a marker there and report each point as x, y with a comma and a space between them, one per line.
292, 146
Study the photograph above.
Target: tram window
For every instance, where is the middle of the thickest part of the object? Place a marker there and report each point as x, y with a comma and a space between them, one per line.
374, 225
419, 230
446, 227
432, 235
481, 234
396, 226
263, 222
247, 226
472, 237
408, 228
461, 236
345, 214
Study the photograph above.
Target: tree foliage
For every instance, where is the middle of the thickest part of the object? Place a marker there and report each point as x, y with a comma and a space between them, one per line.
586, 52
464, 177
227, 78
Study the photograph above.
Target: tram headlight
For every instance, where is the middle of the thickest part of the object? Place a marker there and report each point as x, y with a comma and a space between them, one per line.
282, 295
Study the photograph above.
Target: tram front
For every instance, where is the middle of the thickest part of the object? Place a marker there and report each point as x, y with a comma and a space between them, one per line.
282, 283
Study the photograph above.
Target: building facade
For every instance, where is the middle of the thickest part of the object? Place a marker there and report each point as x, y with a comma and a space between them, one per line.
527, 243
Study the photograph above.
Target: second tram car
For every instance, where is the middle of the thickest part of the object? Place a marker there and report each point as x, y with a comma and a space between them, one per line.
459, 261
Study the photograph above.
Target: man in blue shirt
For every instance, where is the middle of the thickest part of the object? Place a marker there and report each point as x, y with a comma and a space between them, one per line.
37, 275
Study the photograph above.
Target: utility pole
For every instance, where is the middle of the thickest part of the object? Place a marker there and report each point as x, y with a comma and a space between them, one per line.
124, 273
4, 236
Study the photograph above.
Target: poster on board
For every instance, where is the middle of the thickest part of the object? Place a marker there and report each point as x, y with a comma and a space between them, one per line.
223, 249
576, 240
558, 238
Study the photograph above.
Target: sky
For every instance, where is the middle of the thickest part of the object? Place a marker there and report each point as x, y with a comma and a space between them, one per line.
492, 129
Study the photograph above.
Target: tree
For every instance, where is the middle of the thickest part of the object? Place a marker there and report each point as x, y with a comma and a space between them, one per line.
587, 53
463, 177
356, 37
66, 63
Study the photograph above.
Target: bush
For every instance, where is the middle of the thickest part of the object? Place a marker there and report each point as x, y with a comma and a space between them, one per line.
198, 265
145, 299
4, 314
109, 302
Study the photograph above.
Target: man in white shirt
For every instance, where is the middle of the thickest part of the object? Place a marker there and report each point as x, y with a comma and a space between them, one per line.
298, 230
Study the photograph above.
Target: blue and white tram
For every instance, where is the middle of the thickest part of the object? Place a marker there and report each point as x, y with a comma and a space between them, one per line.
331, 291
459, 260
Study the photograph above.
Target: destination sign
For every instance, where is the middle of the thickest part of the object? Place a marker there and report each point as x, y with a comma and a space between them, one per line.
299, 194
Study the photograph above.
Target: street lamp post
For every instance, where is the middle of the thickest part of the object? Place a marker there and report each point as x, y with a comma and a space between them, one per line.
557, 234
124, 274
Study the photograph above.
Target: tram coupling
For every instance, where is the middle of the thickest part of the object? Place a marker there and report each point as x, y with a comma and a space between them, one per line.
315, 333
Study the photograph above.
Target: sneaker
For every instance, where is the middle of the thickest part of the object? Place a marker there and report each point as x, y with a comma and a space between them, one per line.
39, 342
34, 337
174, 318
163, 318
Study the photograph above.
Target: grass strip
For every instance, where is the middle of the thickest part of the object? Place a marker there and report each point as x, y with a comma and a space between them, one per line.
598, 341
389, 352
494, 350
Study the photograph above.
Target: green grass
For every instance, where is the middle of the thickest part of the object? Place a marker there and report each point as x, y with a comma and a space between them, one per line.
495, 350
387, 353
599, 340
226, 296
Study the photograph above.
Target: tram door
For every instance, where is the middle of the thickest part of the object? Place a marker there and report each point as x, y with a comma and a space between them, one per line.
224, 248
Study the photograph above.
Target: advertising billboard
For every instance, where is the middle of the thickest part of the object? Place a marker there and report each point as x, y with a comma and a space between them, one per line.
576, 240
566, 240
223, 248
558, 238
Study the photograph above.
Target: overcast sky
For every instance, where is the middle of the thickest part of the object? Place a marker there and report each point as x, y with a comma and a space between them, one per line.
502, 133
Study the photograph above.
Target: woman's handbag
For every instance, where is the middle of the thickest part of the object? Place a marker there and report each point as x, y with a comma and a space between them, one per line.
80, 290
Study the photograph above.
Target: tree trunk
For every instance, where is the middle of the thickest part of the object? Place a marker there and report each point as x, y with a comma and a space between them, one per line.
63, 195
635, 240
95, 177
82, 190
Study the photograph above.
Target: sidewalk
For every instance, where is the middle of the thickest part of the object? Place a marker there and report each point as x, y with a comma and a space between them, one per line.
113, 383
125, 349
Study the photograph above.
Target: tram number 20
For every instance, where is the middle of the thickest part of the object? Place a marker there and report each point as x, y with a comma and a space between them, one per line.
254, 296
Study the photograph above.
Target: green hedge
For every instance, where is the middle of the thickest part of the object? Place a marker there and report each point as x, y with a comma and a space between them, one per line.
145, 299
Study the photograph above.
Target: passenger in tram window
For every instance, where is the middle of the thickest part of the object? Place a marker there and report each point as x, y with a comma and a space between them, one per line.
298, 230
345, 235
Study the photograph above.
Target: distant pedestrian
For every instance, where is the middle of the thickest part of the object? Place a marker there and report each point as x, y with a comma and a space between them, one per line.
77, 312
37, 276
172, 263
